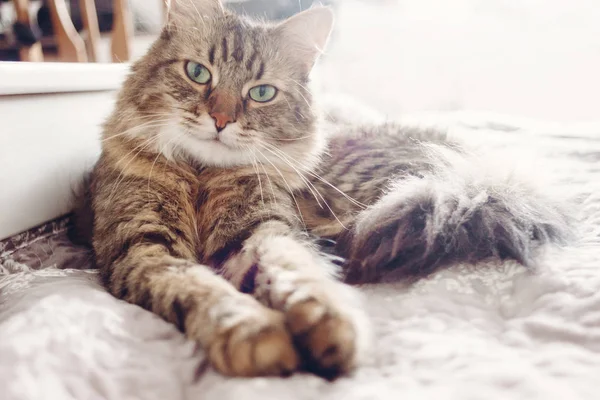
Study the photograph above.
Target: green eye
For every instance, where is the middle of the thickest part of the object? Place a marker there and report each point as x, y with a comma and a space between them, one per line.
263, 93
197, 72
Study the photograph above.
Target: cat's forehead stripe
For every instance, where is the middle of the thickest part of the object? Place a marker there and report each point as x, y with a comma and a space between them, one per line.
238, 44
250, 62
211, 54
224, 49
261, 70
234, 47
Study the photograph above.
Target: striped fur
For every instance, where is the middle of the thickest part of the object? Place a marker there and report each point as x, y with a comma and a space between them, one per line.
210, 228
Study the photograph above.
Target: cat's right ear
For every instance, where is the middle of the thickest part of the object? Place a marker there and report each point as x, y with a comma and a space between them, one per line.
186, 12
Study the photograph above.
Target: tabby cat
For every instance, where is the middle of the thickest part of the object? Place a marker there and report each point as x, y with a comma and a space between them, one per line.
217, 174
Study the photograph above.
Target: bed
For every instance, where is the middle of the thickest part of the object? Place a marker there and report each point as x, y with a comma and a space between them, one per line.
494, 330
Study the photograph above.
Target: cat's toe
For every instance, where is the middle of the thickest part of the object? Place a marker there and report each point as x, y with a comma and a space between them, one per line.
253, 349
326, 339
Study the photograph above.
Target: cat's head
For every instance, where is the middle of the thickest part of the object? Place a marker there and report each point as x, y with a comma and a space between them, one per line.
224, 90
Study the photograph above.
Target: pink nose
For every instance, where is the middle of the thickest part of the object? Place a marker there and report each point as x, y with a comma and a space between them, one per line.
221, 120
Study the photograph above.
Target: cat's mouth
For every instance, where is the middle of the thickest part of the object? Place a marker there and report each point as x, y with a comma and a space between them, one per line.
203, 136
218, 139
213, 139
208, 136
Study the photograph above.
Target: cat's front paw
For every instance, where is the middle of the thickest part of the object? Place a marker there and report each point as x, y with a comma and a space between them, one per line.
255, 347
326, 339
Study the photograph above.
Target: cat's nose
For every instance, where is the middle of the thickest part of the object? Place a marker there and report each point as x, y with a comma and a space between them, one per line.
221, 120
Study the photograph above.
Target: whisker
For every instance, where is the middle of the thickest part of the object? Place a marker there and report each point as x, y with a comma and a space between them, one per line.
309, 91
300, 93
287, 185
304, 98
159, 153
195, 8
255, 167
294, 139
121, 176
301, 85
290, 106
149, 124
133, 116
309, 185
316, 176
270, 182
306, 181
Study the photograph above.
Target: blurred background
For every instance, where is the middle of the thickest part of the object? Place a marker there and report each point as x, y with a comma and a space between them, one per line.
527, 58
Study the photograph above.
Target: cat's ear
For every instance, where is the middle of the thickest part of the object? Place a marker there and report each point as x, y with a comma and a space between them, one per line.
306, 34
190, 10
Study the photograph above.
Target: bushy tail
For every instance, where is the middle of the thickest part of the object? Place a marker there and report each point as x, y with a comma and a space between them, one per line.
456, 212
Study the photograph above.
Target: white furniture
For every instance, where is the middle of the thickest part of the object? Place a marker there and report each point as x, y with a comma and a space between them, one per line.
50, 118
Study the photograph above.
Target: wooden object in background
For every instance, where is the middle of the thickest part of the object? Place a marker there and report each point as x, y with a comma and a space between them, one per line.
27, 53
122, 32
90, 23
32, 53
70, 45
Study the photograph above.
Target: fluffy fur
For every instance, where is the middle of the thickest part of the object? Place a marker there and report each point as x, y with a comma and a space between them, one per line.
458, 211
203, 200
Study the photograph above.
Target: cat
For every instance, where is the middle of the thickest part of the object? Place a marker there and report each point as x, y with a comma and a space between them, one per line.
217, 173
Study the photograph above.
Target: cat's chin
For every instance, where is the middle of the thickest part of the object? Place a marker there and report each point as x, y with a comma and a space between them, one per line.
216, 153
203, 149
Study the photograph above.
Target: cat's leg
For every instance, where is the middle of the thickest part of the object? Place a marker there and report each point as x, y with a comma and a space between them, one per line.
144, 243
241, 336
325, 316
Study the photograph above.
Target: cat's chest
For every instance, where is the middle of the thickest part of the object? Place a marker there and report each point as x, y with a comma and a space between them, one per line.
223, 198
220, 189
224, 202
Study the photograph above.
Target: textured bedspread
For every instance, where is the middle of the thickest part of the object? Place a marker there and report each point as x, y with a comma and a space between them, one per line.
489, 331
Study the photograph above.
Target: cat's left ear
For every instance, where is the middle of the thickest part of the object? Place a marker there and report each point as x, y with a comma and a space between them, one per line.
306, 34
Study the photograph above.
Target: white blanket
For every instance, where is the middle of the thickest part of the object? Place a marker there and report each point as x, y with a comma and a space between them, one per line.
489, 331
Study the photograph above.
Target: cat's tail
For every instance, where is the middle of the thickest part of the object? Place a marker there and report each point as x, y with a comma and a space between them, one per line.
458, 211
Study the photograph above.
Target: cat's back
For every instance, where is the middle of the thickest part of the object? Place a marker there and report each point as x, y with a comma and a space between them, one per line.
358, 134
368, 154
